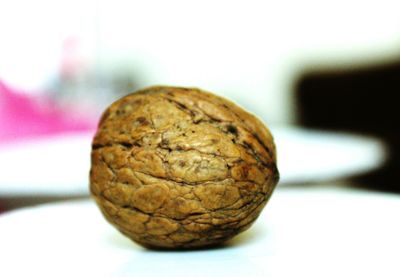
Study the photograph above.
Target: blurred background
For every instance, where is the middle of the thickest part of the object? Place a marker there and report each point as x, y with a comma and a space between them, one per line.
324, 75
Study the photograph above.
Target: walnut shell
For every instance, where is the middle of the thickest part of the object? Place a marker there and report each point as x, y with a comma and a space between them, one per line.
181, 168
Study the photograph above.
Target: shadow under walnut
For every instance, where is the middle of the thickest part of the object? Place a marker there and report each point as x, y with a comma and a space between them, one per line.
181, 168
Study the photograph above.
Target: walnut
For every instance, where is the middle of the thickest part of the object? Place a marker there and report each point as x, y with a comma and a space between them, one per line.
181, 168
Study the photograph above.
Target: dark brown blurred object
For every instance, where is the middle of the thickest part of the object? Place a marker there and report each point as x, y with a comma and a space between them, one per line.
8, 203
360, 100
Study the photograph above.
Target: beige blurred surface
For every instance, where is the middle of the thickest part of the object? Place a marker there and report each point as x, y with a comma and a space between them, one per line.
326, 229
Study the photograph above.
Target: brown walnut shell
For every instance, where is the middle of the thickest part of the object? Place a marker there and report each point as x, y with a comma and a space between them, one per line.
181, 168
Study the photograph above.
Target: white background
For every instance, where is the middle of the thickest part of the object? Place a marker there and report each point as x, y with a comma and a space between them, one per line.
249, 51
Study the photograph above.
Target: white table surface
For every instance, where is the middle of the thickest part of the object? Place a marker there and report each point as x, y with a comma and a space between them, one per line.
320, 231
59, 166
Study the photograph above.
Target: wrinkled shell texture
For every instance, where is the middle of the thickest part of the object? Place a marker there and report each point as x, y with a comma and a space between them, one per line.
181, 168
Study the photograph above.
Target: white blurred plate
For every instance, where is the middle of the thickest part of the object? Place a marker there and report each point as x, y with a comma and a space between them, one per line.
313, 156
53, 166
301, 232
60, 165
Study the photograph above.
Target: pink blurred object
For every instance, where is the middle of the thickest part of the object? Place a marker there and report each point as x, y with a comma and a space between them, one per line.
25, 117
